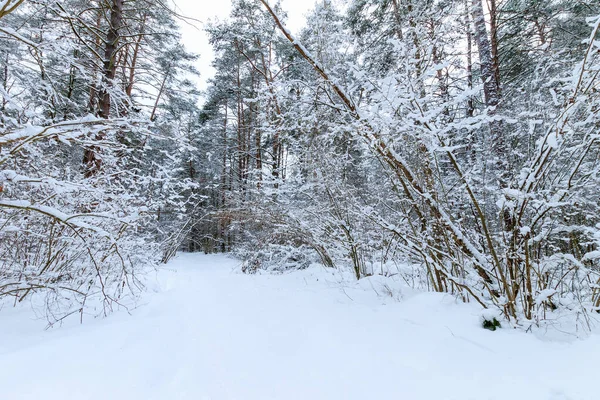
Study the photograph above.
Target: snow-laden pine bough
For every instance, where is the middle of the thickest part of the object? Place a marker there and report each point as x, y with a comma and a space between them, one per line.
56, 235
88, 198
69, 240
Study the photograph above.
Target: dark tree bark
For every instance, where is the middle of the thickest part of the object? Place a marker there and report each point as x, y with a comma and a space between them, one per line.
488, 76
134, 58
501, 165
494, 41
470, 101
91, 159
492, 97
110, 52
94, 87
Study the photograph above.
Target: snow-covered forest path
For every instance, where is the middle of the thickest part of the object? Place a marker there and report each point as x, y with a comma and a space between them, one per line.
207, 332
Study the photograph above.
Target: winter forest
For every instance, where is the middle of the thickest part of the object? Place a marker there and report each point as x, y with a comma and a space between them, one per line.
452, 146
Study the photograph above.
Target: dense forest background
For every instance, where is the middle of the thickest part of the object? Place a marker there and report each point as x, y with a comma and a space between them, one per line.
452, 142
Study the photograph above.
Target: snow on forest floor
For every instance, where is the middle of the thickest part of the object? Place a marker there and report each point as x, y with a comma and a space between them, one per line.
205, 331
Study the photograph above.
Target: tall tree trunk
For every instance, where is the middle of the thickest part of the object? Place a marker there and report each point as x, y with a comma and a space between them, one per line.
134, 59
110, 52
438, 56
488, 76
470, 111
5, 84
500, 165
91, 159
397, 20
491, 95
240, 136
469, 33
223, 220
160, 93
494, 41
94, 88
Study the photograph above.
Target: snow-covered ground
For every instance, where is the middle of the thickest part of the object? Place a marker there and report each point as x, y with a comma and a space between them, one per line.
204, 331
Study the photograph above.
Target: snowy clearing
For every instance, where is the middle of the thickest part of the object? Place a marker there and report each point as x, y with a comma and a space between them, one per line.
205, 331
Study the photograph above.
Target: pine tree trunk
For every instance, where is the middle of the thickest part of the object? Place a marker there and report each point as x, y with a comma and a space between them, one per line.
110, 52
492, 96
470, 101
91, 159
494, 41
5, 84
223, 221
94, 89
134, 59
490, 84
